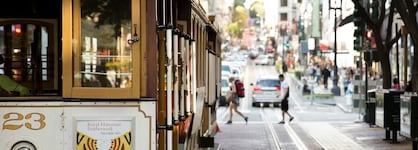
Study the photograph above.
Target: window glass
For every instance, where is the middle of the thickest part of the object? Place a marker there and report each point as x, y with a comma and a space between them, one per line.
283, 3
30, 58
268, 83
283, 16
226, 68
106, 56
225, 83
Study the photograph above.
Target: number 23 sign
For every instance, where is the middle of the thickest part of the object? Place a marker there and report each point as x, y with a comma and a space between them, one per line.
15, 121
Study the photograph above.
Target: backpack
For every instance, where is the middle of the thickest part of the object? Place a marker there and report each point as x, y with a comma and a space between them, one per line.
239, 86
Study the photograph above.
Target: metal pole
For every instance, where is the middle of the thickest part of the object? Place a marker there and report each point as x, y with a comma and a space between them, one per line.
397, 55
335, 89
366, 87
335, 50
169, 80
360, 104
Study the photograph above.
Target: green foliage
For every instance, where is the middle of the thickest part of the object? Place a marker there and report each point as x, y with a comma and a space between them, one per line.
298, 74
239, 3
234, 29
241, 16
278, 66
257, 9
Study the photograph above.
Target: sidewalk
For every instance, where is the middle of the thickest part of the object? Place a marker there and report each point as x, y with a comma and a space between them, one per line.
325, 96
355, 135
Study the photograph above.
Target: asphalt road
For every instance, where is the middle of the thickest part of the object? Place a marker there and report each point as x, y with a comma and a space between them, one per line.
316, 126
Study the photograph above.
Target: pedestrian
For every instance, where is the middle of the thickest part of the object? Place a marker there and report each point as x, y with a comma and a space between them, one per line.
284, 96
233, 104
284, 67
325, 74
395, 83
346, 82
318, 74
305, 89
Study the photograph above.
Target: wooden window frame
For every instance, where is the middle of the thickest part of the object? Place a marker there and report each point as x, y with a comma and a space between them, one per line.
71, 48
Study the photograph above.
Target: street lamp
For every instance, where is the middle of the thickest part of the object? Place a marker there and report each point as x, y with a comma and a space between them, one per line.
335, 5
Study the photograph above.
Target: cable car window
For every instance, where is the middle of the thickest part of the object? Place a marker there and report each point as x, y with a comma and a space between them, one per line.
29, 51
106, 55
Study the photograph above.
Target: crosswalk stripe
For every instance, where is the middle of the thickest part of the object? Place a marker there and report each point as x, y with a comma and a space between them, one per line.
329, 137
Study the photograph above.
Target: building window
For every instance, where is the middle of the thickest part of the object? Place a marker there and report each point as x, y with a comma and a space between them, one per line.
283, 16
283, 3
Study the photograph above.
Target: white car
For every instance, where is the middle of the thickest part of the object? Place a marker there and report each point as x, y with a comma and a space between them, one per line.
226, 67
224, 90
266, 91
225, 74
264, 60
237, 73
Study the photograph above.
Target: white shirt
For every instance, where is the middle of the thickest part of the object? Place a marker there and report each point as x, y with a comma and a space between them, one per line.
232, 87
283, 85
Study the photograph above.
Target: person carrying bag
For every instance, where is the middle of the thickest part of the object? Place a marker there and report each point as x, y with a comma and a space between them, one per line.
232, 99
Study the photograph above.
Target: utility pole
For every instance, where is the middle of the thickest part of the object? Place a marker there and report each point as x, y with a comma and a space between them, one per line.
335, 89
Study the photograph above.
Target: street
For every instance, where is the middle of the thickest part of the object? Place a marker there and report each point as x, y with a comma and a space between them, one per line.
316, 125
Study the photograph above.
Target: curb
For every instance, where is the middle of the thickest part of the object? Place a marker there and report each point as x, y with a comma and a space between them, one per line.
344, 109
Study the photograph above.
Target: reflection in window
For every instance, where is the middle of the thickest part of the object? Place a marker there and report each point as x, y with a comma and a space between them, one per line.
106, 56
30, 59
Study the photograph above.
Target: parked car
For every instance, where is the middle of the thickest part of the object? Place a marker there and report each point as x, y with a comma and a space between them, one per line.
226, 67
253, 54
266, 91
237, 73
225, 74
224, 90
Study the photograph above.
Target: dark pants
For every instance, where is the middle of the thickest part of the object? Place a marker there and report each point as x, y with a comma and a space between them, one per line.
326, 82
285, 105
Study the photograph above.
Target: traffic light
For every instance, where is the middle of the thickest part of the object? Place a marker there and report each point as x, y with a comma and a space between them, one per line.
359, 32
17, 29
357, 44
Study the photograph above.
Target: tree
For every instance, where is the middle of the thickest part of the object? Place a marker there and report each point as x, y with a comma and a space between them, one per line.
257, 9
408, 12
239, 19
234, 30
382, 33
241, 16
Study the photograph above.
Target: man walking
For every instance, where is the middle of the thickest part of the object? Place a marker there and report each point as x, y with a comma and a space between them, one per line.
284, 96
